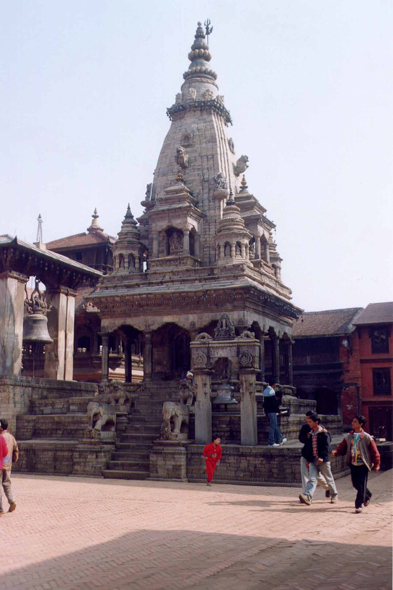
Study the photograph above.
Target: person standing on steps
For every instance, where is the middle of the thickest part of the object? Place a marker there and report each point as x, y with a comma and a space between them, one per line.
362, 455
316, 451
212, 454
271, 404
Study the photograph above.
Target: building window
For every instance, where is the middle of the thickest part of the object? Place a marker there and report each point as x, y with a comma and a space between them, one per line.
381, 382
379, 340
78, 256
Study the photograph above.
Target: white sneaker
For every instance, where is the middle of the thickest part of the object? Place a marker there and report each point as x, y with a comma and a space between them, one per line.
275, 445
358, 510
284, 440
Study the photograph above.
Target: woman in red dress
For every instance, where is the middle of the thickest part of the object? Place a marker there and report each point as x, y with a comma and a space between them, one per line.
212, 453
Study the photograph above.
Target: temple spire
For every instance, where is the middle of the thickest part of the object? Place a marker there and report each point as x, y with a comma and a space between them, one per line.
199, 57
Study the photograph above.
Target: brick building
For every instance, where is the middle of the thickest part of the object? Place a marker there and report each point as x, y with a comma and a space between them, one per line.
323, 361
374, 335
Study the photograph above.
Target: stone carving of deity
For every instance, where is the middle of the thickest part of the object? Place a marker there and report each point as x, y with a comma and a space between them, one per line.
176, 243
191, 93
181, 157
227, 250
220, 98
221, 181
179, 97
148, 192
231, 145
208, 95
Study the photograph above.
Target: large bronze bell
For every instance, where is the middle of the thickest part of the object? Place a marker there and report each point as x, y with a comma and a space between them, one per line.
225, 394
35, 324
35, 328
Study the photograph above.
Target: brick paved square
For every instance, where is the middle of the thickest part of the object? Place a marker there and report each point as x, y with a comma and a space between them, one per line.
80, 534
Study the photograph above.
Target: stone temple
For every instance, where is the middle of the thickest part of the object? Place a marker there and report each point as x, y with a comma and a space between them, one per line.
202, 247
195, 285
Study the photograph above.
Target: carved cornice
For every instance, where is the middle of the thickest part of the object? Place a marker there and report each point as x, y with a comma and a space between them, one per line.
203, 301
213, 104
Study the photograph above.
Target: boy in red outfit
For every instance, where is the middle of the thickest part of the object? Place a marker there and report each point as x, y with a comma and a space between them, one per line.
212, 453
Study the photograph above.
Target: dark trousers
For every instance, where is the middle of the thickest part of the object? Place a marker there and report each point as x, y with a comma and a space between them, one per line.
359, 475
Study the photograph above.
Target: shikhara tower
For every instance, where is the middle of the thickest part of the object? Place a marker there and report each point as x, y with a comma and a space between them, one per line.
203, 245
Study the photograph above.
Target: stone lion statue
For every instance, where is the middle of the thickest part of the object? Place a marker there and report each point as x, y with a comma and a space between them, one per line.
241, 165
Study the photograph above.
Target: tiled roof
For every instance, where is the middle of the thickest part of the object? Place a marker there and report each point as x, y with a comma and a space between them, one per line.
333, 322
7, 240
376, 313
83, 239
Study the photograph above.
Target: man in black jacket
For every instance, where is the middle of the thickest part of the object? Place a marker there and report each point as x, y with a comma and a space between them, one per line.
316, 451
304, 471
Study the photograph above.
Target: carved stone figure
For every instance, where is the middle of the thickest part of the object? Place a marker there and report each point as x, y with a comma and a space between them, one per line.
221, 181
247, 335
241, 165
231, 145
148, 192
191, 93
176, 418
203, 336
208, 95
175, 243
101, 416
188, 137
181, 157
220, 98
225, 329
179, 98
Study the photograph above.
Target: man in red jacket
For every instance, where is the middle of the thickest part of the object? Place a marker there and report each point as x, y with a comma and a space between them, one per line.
361, 456
212, 453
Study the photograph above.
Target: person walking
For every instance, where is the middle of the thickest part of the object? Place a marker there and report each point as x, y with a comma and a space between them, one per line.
316, 452
212, 454
304, 432
271, 404
362, 455
3, 455
10, 457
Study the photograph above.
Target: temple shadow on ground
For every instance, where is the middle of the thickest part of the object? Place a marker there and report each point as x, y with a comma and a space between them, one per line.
200, 561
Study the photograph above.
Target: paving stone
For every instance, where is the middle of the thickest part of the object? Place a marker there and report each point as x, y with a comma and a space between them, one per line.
73, 533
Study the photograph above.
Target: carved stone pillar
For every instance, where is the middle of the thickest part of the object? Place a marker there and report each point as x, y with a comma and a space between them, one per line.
147, 356
105, 357
12, 296
248, 408
262, 356
257, 248
203, 406
288, 362
128, 361
243, 251
59, 355
275, 358
155, 246
186, 242
266, 252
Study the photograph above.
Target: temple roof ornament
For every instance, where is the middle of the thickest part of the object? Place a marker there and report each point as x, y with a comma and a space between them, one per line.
95, 226
199, 57
129, 232
243, 185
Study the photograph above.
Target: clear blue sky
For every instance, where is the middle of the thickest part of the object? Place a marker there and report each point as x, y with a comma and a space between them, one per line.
84, 89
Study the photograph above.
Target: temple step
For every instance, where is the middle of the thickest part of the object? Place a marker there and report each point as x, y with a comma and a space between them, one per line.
119, 474
130, 454
130, 465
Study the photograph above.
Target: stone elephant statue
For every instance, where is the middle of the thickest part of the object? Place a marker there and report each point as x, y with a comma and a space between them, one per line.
176, 417
101, 417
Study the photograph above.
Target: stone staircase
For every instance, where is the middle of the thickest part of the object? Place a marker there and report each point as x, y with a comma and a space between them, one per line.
131, 459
